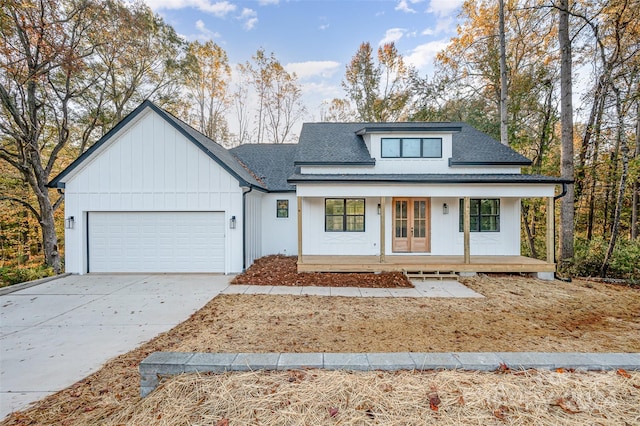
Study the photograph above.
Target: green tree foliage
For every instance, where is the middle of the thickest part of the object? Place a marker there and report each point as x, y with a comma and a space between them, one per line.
381, 91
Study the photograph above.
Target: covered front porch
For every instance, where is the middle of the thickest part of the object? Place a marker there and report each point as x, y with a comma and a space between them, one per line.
471, 258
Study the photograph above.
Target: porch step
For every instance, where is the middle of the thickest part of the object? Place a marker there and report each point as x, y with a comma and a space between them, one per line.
430, 275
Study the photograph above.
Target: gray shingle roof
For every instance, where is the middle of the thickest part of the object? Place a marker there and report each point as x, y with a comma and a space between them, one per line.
272, 163
332, 144
342, 143
444, 178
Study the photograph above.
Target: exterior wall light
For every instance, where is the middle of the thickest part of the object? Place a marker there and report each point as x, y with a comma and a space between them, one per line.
232, 222
379, 210
445, 209
69, 222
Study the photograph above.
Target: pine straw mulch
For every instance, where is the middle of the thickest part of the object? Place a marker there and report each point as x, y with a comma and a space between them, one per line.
517, 314
317, 397
282, 270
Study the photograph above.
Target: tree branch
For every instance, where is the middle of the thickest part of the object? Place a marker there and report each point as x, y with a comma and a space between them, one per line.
24, 203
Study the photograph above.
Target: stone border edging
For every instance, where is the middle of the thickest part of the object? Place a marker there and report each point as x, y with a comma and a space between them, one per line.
17, 287
160, 365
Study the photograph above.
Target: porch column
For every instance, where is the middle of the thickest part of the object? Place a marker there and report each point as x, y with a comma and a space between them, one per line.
382, 228
299, 230
467, 230
551, 224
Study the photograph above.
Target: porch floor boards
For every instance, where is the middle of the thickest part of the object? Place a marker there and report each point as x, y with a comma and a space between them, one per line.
313, 263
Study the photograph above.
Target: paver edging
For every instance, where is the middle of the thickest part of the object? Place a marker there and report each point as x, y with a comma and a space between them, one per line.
160, 365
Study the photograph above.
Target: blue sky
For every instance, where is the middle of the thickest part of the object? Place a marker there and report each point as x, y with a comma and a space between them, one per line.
316, 38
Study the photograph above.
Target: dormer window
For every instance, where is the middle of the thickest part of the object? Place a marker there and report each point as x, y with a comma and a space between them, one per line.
411, 147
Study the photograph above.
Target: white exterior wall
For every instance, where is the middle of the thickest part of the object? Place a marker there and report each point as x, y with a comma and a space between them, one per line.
253, 207
150, 166
315, 241
446, 238
279, 235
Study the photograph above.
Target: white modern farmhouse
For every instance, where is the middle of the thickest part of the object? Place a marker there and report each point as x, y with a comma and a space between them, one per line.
155, 195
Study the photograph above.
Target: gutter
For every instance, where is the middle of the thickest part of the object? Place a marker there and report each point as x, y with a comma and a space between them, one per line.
244, 227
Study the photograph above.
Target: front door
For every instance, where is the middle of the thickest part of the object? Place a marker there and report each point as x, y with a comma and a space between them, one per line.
411, 225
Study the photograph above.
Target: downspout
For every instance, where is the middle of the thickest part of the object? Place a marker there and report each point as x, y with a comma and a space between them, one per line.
563, 193
556, 197
244, 227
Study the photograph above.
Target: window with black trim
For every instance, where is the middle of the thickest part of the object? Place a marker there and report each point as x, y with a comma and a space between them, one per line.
485, 215
411, 148
344, 215
282, 208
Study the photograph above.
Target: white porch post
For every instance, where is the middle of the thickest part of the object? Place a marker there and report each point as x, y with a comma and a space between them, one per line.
382, 229
551, 223
467, 230
299, 230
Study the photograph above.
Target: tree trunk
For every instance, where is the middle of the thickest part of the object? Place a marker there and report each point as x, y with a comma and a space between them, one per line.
611, 177
624, 150
635, 226
594, 168
566, 120
504, 133
585, 148
527, 228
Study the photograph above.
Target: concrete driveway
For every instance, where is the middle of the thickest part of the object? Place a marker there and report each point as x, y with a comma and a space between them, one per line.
56, 333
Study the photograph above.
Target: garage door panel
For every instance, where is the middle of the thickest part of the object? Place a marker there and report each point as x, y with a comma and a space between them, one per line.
156, 241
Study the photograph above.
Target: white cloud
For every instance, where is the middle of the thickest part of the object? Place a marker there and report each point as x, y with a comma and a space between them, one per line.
308, 69
423, 55
444, 25
250, 23
206, 32
217, 8
250, 18
392, 35
267, 2
444, 7
403, 6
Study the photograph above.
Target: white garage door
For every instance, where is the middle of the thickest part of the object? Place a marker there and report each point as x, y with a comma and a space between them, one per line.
156, 241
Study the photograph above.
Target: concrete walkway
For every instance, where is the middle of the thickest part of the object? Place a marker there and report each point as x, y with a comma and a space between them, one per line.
433, 288
166, 364
56, 333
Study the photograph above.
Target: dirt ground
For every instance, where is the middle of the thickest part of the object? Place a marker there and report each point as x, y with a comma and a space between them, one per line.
282, 270
517, 314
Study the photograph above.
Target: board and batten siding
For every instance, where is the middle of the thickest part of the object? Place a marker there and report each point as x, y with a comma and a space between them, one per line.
150, 166
253, 206
279, 235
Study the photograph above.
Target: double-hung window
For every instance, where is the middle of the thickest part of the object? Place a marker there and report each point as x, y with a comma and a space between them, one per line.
485, 215
411, 148
344, 215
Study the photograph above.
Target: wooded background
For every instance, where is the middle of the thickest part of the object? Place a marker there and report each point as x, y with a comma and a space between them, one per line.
71, 69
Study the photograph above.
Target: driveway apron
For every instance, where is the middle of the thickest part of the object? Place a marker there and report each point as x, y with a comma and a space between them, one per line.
54, 334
